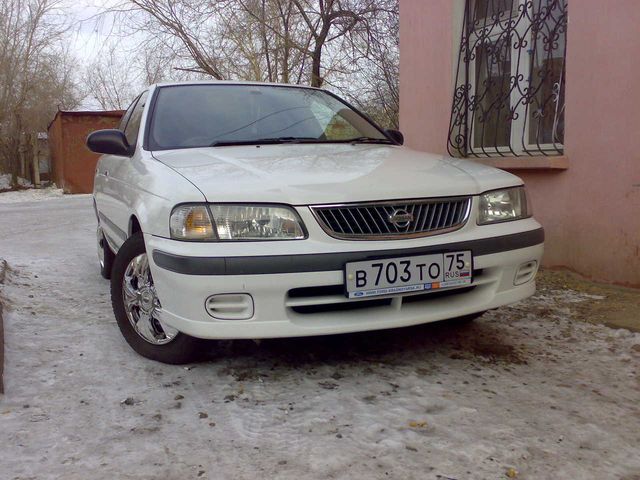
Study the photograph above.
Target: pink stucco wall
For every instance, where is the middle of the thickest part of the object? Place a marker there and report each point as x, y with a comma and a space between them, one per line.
591, 211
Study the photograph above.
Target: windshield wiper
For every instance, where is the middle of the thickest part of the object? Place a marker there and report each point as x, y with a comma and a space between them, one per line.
279, 140
265, 141
367, 140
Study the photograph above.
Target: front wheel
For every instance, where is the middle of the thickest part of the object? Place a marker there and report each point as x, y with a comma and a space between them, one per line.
137, 309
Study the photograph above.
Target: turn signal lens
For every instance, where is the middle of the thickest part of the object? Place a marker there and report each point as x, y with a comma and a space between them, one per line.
191, 222
223, 222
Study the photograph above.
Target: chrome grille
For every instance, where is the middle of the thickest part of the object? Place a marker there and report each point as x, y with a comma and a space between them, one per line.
394, 219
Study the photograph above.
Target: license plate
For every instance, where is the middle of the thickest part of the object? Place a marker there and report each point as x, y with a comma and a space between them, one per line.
408, 274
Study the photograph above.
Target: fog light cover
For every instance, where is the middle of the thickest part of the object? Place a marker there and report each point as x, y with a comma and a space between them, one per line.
230, 306
526, 272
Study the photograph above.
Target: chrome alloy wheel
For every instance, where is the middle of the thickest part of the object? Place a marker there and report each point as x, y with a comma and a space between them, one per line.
142, 305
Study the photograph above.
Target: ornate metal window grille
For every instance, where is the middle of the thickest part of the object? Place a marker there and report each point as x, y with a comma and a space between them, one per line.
509, 92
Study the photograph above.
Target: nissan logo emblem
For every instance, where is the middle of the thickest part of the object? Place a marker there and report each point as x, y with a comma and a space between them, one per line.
401, 218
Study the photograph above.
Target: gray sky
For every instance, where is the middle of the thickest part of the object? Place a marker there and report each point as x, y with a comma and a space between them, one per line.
89, 32
93, 33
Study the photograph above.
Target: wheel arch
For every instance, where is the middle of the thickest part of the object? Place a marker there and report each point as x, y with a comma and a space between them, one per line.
134, 225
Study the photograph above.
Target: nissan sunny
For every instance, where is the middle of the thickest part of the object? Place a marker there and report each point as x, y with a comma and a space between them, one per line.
244, 210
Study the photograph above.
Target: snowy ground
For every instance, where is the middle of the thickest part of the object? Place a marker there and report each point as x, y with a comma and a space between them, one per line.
30, 195
527, 388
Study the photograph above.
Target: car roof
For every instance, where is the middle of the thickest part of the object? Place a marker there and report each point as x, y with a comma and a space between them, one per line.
231, 82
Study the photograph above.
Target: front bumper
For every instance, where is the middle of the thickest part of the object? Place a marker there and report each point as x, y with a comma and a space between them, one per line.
295, 286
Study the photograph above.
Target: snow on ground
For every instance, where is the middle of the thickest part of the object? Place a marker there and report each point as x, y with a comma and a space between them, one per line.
23, 182
5, 182
526, 387
31, 195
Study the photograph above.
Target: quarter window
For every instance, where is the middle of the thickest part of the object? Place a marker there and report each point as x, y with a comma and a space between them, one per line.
127, 114
133, 124
509, 92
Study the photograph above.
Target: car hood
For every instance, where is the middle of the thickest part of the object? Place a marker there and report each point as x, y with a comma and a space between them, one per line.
305, 174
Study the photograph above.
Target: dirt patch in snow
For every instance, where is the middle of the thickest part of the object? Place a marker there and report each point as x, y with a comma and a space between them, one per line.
3, 270
611, 305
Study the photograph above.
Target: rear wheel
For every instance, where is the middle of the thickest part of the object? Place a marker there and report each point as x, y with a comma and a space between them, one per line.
105, 254
137, 309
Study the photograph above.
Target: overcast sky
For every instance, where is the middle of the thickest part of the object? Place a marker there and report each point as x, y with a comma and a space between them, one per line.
94, 28
93, 32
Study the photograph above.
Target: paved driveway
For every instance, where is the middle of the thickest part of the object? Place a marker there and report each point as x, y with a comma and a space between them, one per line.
526, 388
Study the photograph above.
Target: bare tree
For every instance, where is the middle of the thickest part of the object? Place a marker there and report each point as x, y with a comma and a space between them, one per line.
278, 40
347, 45
331, 21
110, 81
378, 90
188, 22
34, 76
271, 38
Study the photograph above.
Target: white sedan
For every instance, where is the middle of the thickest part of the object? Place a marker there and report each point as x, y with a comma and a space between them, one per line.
246, 210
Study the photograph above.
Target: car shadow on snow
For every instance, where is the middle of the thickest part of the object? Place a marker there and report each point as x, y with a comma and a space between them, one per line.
457, 340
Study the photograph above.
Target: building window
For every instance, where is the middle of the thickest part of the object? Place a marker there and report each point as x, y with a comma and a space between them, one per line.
509, 92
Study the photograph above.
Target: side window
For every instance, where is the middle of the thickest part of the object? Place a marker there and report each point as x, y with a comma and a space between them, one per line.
133, 123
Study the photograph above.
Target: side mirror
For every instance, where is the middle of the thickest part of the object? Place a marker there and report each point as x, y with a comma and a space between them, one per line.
112, 142
396, 136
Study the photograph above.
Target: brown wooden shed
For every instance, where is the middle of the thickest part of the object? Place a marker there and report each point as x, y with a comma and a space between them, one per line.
72, 164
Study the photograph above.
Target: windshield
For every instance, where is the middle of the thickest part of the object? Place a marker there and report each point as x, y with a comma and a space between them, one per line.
214, 115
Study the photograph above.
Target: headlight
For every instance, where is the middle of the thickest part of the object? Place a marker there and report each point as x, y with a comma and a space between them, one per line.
191, 222
257, 222
503, 206
235, 222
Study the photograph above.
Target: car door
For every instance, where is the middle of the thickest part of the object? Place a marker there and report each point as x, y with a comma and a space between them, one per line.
113, 198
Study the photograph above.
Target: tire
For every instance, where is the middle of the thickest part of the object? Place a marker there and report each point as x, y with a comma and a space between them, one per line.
151, 338
106, 256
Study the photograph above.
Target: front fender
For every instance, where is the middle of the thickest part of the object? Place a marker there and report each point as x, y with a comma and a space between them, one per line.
157, 190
